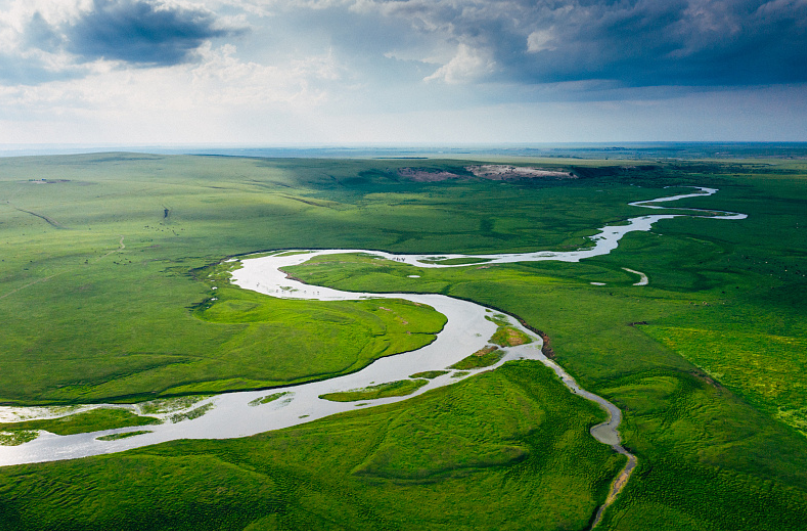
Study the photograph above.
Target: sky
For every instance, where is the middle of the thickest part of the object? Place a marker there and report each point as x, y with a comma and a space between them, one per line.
378, 72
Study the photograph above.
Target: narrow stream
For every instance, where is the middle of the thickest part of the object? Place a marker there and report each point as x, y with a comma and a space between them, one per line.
467, 330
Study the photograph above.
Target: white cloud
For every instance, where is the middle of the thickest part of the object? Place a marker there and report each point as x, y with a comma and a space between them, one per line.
469, 64
220, 80
299, 82
541, 40
304, 70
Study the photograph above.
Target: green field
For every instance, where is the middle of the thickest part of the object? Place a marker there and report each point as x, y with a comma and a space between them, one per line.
505, 450
707, 362
98, 321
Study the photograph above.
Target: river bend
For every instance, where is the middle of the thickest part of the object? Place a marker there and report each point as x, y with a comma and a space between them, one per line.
467, 330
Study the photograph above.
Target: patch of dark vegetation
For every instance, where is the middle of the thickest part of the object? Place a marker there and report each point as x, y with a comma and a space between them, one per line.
457, 261
267, 399
428, 374
311, 202
546, 346
507, 336
485, 357
98, 419
122, 157
385, 390
706, 378
124, 435
50, 221
16, 438
192, 414
593, 172
498, 318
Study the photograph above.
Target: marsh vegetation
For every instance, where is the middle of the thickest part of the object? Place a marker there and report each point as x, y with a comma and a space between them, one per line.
397, 388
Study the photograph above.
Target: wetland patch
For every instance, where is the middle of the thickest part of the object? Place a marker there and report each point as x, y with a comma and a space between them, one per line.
384, 390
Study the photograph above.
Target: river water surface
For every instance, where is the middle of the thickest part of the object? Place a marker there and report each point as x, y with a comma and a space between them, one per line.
468, 329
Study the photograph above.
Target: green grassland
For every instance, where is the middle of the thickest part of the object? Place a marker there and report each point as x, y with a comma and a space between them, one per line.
725, 299
100, 263
711, 386
97, 326
678, 420
505, 450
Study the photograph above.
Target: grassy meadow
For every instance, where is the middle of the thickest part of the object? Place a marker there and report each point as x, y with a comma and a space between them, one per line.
106, 294
504, 450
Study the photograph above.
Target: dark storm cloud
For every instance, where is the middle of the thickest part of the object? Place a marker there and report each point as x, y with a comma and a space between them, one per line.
141, 33
632, 42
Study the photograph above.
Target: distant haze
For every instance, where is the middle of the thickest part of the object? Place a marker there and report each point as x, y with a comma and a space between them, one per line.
339, 72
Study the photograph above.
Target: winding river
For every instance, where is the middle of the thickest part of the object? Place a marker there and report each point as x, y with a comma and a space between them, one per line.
468, 329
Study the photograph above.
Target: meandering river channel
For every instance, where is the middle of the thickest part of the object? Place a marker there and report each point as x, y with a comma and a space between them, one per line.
240, 414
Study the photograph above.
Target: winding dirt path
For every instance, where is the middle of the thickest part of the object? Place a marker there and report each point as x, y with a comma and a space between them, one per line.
50, 221
119, 249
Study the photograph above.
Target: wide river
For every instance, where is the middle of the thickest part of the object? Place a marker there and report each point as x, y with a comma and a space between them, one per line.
241, 414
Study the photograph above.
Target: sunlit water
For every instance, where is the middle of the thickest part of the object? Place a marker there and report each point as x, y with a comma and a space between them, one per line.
467, 330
